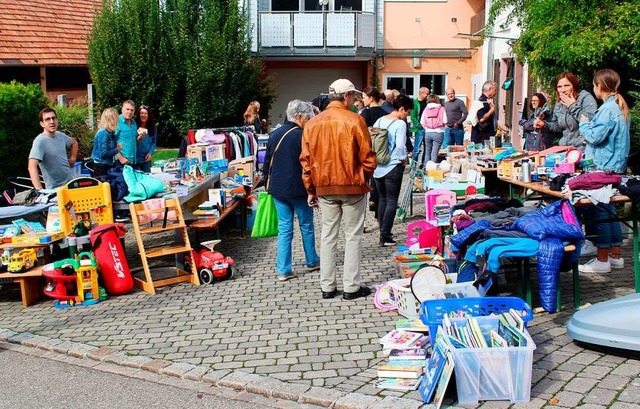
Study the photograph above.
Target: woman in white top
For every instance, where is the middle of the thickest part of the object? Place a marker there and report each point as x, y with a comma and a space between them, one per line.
388, 177
433, 119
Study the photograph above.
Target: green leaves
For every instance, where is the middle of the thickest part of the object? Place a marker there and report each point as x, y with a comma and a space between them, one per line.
188, 59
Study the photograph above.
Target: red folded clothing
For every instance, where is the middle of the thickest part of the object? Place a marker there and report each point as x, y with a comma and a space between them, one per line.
594, 180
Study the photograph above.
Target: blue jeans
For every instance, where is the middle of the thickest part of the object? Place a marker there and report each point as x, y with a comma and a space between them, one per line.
603, 234
389, 191
286, 207
432, 142
453, 136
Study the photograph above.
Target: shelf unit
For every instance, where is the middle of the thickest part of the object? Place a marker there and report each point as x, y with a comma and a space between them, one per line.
146, 231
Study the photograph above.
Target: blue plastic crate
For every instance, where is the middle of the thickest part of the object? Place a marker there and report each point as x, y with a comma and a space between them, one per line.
432, 311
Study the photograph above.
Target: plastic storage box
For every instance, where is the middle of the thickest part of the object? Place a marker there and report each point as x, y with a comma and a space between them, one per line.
432, 311
493, 373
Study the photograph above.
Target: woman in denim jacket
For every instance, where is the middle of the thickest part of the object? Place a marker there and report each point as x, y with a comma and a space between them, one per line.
608, 141
571, 103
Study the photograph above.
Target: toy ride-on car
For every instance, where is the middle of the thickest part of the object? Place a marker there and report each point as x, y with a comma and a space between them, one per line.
212, 264
23, 261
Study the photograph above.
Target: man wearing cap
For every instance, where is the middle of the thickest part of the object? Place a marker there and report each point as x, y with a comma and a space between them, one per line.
337, 161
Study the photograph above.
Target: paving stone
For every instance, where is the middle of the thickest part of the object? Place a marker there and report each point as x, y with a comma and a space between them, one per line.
197, 372
155, 365
290, 391
600, 396
580, 384
99, 353
614, 382
568, 399
547, 386
49, 344
630, 394
237, 380
6, 333
81, 350
177, 369
534, 403
356, 401
117, 369
321, 396
21, 337
264, 385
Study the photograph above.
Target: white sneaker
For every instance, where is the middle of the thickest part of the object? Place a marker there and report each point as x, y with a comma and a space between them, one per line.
616, 263
595, 266
588, 249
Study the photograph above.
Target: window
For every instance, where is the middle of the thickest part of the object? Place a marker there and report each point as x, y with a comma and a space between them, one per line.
314, 5
410, 84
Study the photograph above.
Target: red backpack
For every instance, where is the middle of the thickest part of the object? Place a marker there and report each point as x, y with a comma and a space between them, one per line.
434, 117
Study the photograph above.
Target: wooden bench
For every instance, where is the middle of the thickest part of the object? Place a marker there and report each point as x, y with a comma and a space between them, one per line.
29, 284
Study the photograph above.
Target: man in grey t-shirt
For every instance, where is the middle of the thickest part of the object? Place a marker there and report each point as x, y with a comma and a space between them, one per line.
49, 153
456, 114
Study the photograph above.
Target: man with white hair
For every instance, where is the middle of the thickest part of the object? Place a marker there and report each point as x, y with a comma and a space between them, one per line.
337, 161
485, 126
390, 95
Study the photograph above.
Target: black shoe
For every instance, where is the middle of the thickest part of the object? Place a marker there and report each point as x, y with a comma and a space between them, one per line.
329, 294
362, 292
387, 242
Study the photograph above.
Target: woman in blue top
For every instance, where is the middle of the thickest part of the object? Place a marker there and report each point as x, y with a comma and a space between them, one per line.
608, 141
105, 145
147, 137
388, 177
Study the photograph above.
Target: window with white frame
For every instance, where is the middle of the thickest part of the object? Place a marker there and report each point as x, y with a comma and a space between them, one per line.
409, 84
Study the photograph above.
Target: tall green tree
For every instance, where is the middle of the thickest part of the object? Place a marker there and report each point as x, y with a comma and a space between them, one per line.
189, 59
579, 36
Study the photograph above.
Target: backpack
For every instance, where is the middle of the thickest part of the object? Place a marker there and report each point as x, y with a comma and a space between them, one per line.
380, 143
434, 117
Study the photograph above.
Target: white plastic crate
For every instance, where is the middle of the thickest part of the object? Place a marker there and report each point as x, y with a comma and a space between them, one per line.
493, 373
408, 304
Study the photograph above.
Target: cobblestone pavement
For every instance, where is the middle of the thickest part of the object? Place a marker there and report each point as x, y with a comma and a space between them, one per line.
286, 334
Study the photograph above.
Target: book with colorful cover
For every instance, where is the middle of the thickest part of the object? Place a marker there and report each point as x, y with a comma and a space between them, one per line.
518, 319
399, 339
411, 354
440, 357
398, 384
401, 369
443, 381
407, 324
496, 340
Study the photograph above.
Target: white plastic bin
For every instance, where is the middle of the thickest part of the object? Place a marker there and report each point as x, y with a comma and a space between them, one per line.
493, 373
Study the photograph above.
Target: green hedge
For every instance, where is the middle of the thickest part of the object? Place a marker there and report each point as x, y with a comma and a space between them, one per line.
19, 125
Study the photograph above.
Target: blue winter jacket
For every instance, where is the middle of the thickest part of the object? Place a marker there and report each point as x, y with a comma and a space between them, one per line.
551, 227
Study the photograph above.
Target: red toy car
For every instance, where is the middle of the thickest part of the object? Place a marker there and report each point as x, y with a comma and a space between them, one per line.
212, 264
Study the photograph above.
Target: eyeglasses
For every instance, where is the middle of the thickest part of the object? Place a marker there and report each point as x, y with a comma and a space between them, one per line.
50, 119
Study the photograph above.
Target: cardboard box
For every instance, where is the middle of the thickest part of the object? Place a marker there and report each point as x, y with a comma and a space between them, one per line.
244, 164
204, 152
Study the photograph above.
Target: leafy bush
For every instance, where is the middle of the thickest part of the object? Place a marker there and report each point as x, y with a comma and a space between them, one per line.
19, 125
73, 120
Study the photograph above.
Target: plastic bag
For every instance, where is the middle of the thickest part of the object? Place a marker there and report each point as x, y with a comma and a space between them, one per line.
266, 223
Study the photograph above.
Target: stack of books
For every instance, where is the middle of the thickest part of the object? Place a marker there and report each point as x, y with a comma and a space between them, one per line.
207, 210
407, 358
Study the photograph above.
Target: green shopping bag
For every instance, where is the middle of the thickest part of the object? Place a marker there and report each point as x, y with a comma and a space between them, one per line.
266, 223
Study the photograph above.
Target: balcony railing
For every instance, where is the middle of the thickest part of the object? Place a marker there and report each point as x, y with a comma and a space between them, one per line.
343, 33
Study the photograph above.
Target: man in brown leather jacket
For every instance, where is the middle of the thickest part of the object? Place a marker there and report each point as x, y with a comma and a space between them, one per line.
337, 161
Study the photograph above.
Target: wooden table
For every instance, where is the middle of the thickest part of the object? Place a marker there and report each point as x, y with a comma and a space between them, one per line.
29, 284
212, 223
539, 187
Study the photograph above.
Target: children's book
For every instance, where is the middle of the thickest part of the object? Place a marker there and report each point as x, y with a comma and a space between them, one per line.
401, 369
399, 339
411, 354
443, 381
440, 357
518, 319
496, 340
406, 324
398, 384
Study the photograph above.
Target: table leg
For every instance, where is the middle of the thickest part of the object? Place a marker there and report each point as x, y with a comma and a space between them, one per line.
636, 265
29, 290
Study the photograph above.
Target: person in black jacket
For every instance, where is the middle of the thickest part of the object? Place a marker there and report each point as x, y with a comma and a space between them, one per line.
283, 180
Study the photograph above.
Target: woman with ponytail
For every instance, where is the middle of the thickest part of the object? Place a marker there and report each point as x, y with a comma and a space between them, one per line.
608, 141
